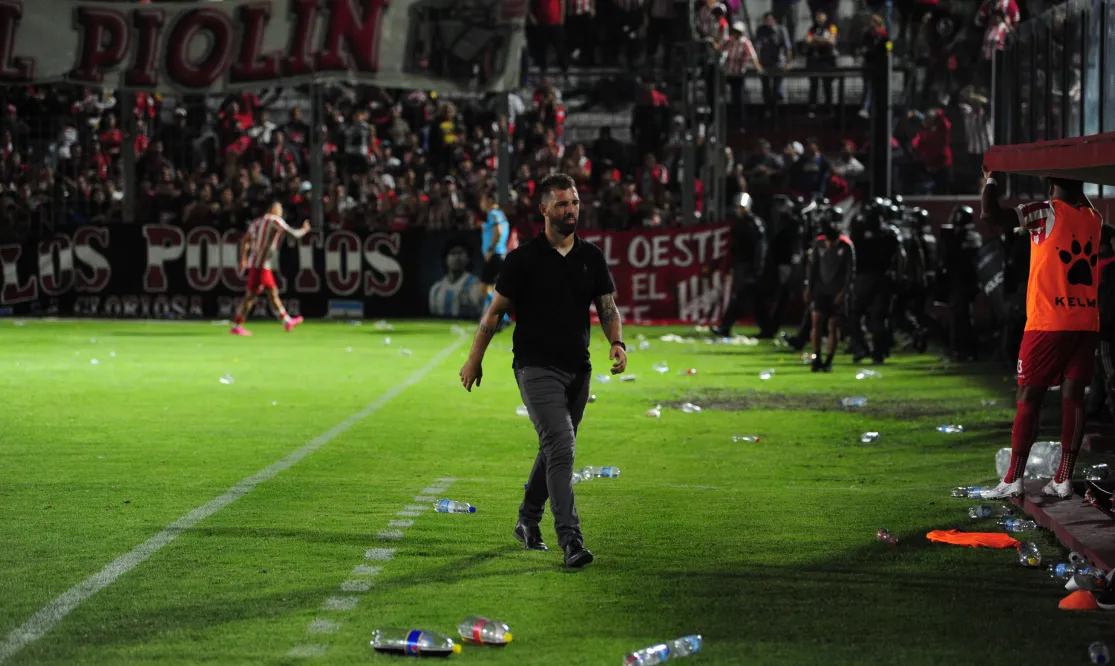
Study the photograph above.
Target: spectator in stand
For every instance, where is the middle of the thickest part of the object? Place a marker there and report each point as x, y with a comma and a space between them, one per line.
785, 14
547, 31
933, 148
873, 50
580, 22
994, 40
942, 36
626, 25
712, 23
846, 165
820, 56
811, 174
651, 179
1009, 8
650, 120
776, 52
737, 54
912, 15
664, 16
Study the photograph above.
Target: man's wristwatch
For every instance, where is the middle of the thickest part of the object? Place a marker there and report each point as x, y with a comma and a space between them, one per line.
621, 345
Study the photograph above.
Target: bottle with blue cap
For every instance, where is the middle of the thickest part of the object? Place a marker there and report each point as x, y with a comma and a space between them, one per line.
604, 472
414, 643
657, 654
452, 506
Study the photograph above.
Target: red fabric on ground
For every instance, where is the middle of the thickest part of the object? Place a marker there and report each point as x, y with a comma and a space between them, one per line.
973, 539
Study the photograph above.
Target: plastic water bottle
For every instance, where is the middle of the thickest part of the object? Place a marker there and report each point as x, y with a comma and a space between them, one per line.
603, 379
413, 642
690, 408
657, 654
1098, 653
522, 410
744, 438
1018, 525
661, 368
1096, 472
627, 378
644, 345
807, 358
688, 372
985, 511
451, 506
766, 374
474, 629
868, 437
885, 536
857, 401
950, 429
605, 472
1029, 555
577, 478
1066, 570
867, 374
970, 492
655, 413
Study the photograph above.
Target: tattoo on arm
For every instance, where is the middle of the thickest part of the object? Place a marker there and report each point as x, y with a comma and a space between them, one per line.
486, 330
607, 309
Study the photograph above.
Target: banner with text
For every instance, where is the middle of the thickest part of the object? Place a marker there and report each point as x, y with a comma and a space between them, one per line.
160, 271
194, 47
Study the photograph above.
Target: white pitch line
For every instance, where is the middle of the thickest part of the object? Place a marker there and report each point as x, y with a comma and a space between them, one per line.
390, 535
354, 585
401, 523
365, 570
340, 603
323, 626
425, 498
47, 617
380, 554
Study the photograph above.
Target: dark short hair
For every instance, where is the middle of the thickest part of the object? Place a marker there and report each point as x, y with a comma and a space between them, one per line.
1069, 186
553, 183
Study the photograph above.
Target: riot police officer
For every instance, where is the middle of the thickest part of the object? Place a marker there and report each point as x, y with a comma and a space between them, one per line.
749, 258
880, 260
959, 280
913, 294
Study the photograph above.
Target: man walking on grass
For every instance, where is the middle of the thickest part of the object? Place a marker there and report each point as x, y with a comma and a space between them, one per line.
551, 282
1062, 320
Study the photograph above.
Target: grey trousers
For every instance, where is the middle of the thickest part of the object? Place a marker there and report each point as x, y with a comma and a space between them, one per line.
556, 402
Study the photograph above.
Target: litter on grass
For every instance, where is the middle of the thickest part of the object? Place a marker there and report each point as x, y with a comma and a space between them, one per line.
655, 413
414, 643
627, 378
656, 654
690, 408
227, 379
521, 410
886, 536
766, 374
592, 398
868, 437
387, 341
688, 372
1098, 653
661, 368
857, 401
868, 374
93, 361
405, 352
744, 438
644, 345
950, 428
1029, 555
483, 631
603, 379
383, 325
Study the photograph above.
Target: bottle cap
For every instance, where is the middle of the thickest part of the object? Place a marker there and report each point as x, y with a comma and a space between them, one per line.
456, 648
472, 509
507, 637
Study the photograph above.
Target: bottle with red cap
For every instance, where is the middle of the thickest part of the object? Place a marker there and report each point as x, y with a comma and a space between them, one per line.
484, 631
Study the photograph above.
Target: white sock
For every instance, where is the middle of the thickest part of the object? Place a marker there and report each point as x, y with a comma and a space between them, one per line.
286, 318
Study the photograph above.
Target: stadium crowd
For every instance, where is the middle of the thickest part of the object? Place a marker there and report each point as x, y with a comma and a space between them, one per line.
397, 159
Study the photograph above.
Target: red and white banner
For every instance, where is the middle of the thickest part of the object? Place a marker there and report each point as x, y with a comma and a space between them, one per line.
216, 46
669, 275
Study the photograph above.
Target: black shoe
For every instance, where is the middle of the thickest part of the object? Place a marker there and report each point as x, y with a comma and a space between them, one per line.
576, 556
827, 366
720, 331
796, 343
818, 364
1106, 599
530, 537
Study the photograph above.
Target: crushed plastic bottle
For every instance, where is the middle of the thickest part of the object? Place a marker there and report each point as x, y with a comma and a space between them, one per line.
414, 642
644, 345
690, 408
988, 403
227, 379
884, 535
1098, 653
868, 437
857, 401
1029, 555
1096, 472
1018, 525
452, 506
661, 368
387, 340
93, 361
868, 374
766, 374
950, 429
383, 325
744, 438
657, 654
688, 372
984, 511
405, 352
603, 379
522, 410
481, 630
1044, 459
592, 397
807, 358
655, 413
970, 492
627, 378
601, 472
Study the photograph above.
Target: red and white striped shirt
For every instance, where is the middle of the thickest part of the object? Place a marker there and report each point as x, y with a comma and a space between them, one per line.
995, 39
738, 54
264, 235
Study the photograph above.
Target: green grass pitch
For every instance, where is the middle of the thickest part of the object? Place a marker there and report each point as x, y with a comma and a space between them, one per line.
766, 549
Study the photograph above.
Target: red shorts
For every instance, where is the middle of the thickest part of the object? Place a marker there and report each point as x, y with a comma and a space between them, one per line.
1047, 357
258, 278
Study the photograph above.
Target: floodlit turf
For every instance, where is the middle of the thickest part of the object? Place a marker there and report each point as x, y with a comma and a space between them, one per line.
766, 549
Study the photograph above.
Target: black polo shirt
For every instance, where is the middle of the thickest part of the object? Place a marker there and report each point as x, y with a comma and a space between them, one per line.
551, 295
